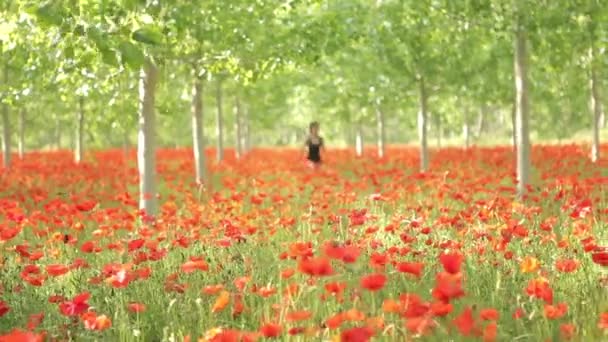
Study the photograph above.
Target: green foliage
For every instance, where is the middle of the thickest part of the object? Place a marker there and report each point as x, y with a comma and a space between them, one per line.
296, 61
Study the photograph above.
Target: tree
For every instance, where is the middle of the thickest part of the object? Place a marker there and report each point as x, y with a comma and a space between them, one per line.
21, 132
197, 128
219, 98
78, 151
6, 125
522, 106
238, 124
146, 138
595, 100
140, 27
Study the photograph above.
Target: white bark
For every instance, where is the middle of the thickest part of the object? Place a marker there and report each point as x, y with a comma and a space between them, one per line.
198, 142
596, 109
514, 125
237, 127
6, 138
481, 119
146, 140
359, 141
246, 133
78, 150
219, 123
381, 132
422, 126
6, 130
21, 142
522, 111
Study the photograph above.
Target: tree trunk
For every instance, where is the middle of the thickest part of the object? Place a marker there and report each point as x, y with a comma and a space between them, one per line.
514, 125
522, 111
596, 109
237, 127
466, 130
6, 138
198, 140
359, 140
481, 121
21, 142
78, 151
219, 123
6, 129
381, 132
422, 127
146, 140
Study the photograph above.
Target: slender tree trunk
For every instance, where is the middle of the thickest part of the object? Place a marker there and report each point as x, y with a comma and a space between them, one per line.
359, 140
381, 132
219, 123
422, 127
596, 109
6, 138
198, 141
522, 111
146, 139
466, 130
481, 121
78, 151
6, 130
237, 127
514, 125
21, 143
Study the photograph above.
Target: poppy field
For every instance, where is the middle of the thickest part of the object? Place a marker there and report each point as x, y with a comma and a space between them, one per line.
360, 249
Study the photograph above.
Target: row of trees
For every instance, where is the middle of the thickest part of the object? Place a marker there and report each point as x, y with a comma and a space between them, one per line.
279, 64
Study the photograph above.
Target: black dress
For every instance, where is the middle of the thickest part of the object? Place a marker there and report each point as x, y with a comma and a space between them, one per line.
314, 150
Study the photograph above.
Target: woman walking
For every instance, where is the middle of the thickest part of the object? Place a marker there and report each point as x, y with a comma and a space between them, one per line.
314, 145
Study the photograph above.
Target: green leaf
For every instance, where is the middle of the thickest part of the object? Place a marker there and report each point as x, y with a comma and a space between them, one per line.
49, 15
133, 4
131, 55
109, 57
95, 34
86, 59
148, 35
69, 52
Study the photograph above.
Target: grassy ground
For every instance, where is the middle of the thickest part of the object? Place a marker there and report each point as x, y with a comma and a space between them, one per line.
276, 249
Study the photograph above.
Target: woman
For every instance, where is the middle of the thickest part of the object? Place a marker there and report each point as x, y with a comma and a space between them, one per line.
314, 145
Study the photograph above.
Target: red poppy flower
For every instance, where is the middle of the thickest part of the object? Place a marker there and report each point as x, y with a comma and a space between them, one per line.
451, 262
76, 306
316, 267
271, 330
600, 255
357, 334
414, 268
373, 282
